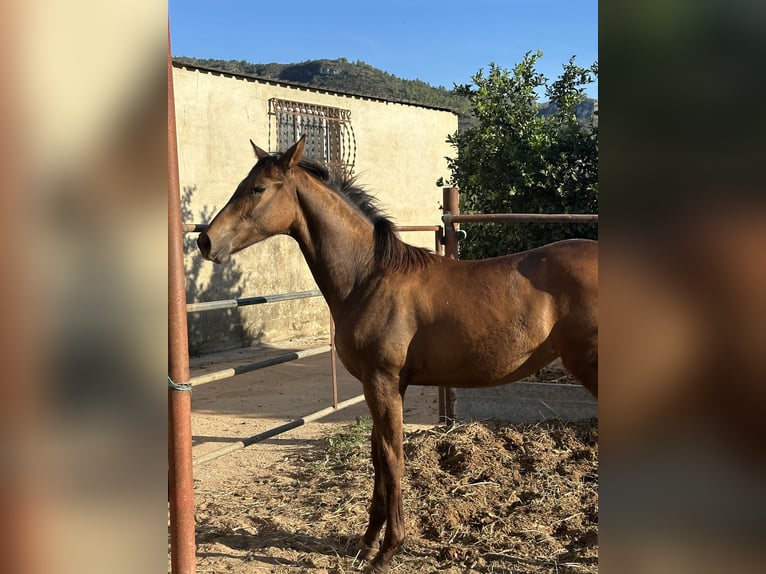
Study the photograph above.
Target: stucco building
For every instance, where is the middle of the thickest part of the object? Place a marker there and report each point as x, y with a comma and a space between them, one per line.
397, 151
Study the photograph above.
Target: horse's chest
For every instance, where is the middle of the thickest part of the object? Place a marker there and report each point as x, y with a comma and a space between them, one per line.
357, 361
364, 348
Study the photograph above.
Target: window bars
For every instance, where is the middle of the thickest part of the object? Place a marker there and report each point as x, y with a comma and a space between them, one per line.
329, 134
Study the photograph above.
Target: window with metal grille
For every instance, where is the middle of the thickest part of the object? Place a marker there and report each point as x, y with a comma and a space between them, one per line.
328, 131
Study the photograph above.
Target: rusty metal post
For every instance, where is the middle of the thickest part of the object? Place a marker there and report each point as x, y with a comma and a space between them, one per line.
442, 392
451, 206
180, 479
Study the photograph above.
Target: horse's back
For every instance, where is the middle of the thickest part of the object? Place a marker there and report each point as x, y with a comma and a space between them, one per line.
565, 267
561, 270
576, 256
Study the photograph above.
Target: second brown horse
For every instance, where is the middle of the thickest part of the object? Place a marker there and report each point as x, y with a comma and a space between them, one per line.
405, 316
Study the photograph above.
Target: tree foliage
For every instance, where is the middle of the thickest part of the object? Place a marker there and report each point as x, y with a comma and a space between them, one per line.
525, 157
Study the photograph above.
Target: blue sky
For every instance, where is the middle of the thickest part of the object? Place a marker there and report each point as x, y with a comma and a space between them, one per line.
441, 42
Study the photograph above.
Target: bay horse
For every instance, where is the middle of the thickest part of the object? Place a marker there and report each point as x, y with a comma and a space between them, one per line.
405, 316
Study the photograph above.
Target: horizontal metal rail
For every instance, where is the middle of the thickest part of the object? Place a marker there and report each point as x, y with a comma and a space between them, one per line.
239, 445
246, 368
194, 227
448, 218
245, 301
200, 227
418, 227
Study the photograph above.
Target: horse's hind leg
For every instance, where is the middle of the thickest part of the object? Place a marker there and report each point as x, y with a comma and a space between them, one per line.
582, 362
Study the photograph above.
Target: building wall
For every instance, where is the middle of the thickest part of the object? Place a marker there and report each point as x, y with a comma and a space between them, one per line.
400, 153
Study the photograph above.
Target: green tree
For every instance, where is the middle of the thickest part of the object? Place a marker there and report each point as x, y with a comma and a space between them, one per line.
516, 159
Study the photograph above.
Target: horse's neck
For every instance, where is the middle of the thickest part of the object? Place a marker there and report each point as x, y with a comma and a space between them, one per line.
336, 240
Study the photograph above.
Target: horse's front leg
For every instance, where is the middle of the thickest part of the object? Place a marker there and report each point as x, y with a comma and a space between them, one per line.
385, 402
369, 544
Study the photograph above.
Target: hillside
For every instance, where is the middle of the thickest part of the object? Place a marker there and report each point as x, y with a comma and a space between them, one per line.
363, 79
343, 76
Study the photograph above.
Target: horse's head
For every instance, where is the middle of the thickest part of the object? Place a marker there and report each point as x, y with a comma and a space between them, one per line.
263, 205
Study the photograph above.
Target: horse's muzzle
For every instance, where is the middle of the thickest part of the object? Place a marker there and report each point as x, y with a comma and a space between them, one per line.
219, 255
204, 244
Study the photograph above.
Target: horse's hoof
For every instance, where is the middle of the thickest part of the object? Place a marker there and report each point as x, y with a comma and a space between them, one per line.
376, 569
365, 551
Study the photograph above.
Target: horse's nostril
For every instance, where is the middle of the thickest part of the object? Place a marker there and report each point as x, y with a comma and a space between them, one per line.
203, 242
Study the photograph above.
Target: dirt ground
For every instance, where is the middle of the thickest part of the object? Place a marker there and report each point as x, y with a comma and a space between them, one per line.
477, 497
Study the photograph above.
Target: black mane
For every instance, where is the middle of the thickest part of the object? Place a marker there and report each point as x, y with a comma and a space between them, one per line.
348, 188
391, 253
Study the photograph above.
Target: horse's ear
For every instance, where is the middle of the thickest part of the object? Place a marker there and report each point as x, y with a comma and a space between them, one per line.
293, 155
259, 153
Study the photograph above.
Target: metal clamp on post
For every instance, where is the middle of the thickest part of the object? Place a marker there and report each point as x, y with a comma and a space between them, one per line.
177, 387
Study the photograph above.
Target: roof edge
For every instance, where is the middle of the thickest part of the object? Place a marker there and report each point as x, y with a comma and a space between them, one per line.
307, 87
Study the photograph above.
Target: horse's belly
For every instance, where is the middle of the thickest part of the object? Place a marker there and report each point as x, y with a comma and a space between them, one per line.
484, 363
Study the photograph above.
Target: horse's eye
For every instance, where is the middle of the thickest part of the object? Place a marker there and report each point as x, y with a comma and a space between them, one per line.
258, 189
